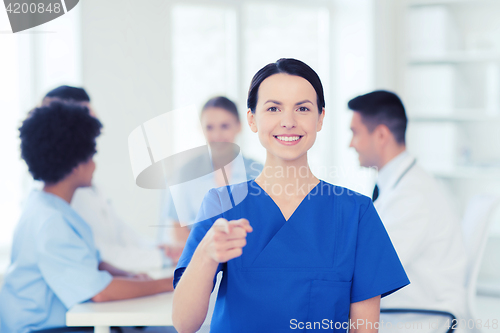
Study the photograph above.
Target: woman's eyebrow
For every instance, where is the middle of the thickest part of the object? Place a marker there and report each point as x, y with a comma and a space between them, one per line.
272, 101
279, 103
303, 102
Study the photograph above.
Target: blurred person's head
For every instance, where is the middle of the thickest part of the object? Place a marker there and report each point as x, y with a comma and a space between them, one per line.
286, 108
378, 127
220, 120
69, 94
58, 142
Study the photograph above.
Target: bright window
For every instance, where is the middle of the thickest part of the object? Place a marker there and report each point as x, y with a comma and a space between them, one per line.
31, 63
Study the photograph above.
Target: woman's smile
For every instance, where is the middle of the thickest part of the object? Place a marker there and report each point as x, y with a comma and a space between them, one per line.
288, 139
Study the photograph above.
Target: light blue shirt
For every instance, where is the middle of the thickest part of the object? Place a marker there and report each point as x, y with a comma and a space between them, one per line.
54, 265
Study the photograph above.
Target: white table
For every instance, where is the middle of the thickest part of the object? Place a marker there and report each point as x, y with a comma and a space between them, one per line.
153, 310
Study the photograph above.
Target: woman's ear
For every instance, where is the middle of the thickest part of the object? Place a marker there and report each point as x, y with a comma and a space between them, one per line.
320, 120
251, 121
238, 127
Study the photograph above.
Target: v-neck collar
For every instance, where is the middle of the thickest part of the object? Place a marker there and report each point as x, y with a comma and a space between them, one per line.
276, 205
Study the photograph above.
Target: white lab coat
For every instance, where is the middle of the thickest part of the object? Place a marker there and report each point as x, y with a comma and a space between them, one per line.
427, 236
117, 242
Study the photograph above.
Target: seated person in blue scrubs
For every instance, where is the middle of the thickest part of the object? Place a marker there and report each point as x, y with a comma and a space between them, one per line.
117, 242
295, 252
54, 262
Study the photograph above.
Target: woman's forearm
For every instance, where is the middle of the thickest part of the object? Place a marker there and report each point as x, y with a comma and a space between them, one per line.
104, 266
125, 288
224, 241
192, 294
365, 315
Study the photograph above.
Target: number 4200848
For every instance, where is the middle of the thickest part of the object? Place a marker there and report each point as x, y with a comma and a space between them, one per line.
471, 323
24, 8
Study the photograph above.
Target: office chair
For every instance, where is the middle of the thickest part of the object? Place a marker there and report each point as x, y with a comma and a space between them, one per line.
475, 225
413, 320
75, 329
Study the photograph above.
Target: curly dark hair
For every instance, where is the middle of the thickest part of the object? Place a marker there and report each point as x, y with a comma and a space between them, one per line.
68, 93
56, 138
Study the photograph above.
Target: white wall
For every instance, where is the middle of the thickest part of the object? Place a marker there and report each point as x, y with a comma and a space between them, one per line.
354, 74
126, 64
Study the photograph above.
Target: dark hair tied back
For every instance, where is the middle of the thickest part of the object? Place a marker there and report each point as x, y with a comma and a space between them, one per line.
222, 103
287, 66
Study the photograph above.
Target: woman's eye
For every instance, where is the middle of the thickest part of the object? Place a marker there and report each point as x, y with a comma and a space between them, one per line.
273, 109
303, 108
209, 127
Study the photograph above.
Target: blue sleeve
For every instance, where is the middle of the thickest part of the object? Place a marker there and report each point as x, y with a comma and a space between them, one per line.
68, 265
253, 168
168, 211
377, 269
211, 206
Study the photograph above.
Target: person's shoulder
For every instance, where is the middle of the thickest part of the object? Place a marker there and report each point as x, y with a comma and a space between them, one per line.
341, 191
350, 205
250, 161
43, 204
41, 210
252, 164
418, 180
233, 188
343, 195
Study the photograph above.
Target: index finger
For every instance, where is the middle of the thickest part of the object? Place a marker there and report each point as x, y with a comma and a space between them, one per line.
243, 223
221, 224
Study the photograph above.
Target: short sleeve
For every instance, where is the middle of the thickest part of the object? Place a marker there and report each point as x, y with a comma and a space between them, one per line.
68, 265
98, 256
168, 212
377, 268
211, 206
253, 168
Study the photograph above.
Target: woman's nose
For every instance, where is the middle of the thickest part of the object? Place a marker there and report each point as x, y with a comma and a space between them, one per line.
216, 135
288, 120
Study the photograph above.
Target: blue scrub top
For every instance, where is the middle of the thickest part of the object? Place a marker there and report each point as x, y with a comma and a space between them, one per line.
54, 265
332, 251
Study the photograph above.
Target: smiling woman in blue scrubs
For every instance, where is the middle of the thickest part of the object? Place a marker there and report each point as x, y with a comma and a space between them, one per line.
297, 253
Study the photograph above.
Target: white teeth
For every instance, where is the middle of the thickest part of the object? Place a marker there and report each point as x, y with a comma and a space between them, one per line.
288, 138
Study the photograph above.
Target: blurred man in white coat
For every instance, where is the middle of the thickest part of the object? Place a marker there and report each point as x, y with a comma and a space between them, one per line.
415, 211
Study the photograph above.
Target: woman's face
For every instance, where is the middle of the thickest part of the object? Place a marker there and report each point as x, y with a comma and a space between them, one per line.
219, 125
286, 116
